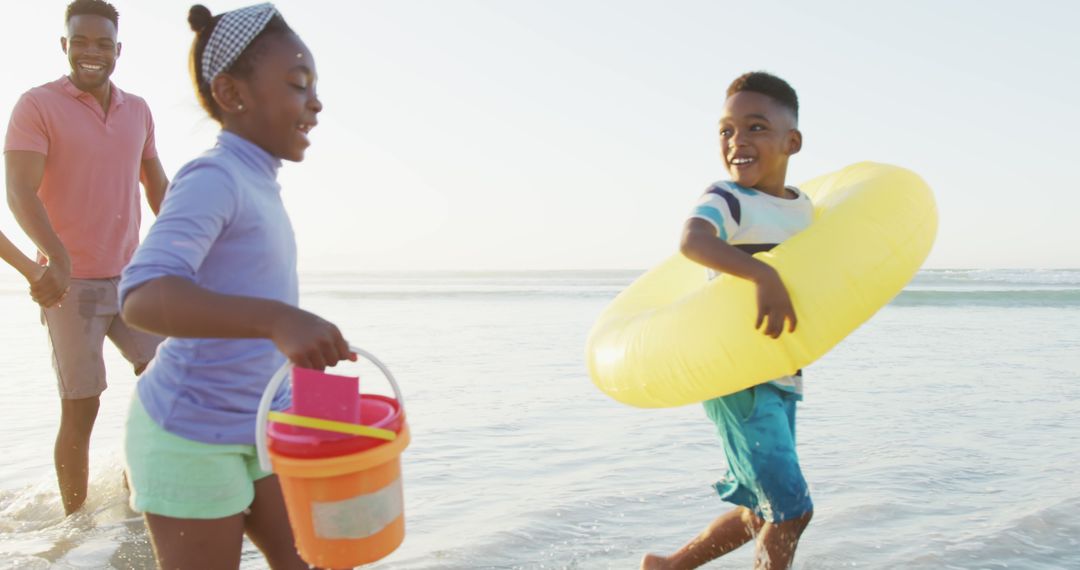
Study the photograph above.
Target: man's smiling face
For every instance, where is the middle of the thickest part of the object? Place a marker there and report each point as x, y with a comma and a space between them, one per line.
92, 49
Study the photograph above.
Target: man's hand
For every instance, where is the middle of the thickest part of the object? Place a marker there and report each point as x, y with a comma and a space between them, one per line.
774, 305
24, 172
33, 272
53, 284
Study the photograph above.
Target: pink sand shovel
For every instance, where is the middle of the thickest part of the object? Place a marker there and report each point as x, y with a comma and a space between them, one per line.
327, 396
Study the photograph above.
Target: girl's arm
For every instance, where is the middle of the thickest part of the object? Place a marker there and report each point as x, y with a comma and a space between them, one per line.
17, 259
174, 306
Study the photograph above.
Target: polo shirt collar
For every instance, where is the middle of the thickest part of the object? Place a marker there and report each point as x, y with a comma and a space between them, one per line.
116, 98
250, 153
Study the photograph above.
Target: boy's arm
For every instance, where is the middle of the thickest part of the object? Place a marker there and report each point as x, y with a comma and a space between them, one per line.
25, 169
701, 244
174, 306
154, 181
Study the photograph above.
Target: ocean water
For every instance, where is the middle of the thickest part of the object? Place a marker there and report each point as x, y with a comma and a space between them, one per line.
941, 434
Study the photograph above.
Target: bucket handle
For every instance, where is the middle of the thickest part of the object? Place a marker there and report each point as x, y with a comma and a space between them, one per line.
264, 414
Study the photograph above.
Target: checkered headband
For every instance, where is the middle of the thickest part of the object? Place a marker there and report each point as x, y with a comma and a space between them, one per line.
232, 34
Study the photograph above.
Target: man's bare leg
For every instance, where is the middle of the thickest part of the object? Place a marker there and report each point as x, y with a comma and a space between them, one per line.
72, 451
723, 535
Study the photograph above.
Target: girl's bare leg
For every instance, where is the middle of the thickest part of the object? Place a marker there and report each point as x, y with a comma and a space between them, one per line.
196, 544
268, 526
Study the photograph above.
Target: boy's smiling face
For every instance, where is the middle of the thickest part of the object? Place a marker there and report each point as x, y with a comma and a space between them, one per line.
757, 135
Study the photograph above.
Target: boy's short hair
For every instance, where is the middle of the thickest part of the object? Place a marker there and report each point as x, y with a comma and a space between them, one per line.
93, 8
767, 84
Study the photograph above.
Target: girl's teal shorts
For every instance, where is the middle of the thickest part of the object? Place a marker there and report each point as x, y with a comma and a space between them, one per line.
757, 428
181, 478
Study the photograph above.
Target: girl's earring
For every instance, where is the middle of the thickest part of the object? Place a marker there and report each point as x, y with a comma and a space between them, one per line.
240, 107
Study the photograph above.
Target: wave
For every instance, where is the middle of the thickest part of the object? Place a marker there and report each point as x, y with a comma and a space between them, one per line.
1015, 278
105, 533
911, 297
485, 293
932, 287
990, 298
1043, 538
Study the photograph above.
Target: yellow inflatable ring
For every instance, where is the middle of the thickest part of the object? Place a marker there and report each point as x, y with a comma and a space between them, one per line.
673, 338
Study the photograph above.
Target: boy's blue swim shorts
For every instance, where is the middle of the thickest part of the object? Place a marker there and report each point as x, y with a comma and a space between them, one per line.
757, 427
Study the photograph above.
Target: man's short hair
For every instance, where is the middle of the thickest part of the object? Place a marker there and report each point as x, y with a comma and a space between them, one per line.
93, 8
767, 84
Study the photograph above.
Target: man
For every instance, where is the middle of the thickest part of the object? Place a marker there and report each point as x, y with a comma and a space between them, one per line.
75, 152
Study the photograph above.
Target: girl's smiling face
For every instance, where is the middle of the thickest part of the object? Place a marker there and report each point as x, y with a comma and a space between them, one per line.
276, 106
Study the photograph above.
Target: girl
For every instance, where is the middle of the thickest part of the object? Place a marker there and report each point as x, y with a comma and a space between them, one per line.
217, 275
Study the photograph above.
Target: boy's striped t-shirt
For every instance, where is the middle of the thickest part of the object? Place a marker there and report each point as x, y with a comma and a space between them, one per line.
754, 221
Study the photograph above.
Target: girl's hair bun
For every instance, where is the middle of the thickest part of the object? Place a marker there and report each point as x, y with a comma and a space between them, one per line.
199, 17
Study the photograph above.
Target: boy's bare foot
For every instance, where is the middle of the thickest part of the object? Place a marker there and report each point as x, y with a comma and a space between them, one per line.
653, 562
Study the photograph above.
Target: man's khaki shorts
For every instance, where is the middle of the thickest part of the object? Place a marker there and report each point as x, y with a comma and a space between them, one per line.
77, 330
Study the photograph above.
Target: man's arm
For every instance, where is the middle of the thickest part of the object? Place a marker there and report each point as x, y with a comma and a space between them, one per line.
154, 182
701, 244
25, 169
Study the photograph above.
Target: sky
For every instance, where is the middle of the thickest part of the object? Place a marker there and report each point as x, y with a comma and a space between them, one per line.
578, 134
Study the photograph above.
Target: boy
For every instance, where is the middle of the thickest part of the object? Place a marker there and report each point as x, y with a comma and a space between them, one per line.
733, 220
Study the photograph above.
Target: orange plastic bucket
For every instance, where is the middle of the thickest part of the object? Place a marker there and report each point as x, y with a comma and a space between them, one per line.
348, 510
344, 510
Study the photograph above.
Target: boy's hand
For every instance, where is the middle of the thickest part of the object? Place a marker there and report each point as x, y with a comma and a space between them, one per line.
774, 304
309, 341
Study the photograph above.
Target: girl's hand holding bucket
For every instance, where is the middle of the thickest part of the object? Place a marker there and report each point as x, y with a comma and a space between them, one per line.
307, 340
